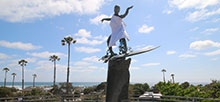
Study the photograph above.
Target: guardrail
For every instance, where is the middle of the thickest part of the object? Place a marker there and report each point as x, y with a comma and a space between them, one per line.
55, 98
31, 99
171, 99
101, 98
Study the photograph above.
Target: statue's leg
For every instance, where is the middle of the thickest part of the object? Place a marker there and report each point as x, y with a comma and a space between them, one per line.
108, 40
110, 48
123, 41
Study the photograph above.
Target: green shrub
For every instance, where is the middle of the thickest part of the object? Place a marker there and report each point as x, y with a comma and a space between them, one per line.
7, 92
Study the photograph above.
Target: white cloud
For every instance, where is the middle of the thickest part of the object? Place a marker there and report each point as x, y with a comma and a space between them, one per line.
83, 33
171, 52
13, 65
25, 10
134, 68
87, 49
19, 45
60, 28
197, 4
4, 56
210, 30
215, 20
91, 59
44, 65
199, 45
139, 46
217, 52
133, 61
79, 66
196, 16
167, 11
81, 63
84, 65
31, 60
14, 61
43, 62
215, 59
45, 54
85, 69
97, 19
1, 62
187, 56
84, 40
88, 39
201, 15
194, 29
145, 29
100, 37
151, 64
201, 7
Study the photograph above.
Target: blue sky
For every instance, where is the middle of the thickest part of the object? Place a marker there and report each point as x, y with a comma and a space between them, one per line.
187, 31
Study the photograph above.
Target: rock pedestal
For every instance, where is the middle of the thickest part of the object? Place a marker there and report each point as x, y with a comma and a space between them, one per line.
118, 80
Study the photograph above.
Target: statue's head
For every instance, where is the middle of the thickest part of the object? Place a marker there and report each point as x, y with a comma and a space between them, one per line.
117, 9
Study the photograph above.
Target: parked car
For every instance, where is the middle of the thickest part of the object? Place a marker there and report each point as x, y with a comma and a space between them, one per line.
150, 95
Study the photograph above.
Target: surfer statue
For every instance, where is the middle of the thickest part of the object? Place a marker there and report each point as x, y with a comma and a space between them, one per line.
118, 31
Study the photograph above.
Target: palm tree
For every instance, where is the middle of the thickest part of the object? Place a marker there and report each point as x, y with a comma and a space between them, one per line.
22, 63
163, 70
13, 80
6, 70
54, 58
34, 76
172, 75
68, 40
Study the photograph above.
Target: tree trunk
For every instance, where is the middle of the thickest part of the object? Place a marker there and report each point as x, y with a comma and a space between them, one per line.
22, 77
33, 81
54, 77
5, 79
68, 69
118, 80
13, 81
164, 77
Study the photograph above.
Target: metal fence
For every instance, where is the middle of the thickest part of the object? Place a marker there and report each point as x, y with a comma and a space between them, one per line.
101, 98
31, 99
171, 99
55, 98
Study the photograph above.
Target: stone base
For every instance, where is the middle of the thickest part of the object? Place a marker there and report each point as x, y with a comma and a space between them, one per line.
118, 80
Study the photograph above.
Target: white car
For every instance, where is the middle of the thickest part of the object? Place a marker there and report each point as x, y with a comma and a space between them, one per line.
150, 95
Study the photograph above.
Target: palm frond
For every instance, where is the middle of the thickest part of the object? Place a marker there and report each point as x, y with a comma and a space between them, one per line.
6, 69
14, 74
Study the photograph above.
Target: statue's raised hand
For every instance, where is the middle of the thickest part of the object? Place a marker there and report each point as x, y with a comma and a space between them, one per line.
130, 7
105, 19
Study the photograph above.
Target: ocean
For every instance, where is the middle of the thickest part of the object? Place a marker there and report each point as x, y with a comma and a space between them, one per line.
18, 85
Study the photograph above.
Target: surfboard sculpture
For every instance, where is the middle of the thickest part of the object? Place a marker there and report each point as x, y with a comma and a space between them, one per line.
124, 55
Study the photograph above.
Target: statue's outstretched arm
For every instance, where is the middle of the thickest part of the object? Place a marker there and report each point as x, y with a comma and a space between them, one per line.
126, 13
107, 19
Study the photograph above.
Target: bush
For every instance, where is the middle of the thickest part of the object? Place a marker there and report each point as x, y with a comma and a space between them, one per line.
211, 90
101, 86
7, 92
89, 90
139, 89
